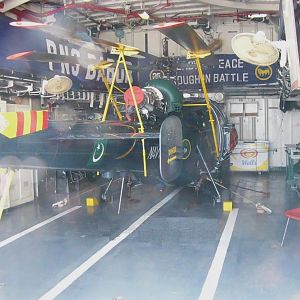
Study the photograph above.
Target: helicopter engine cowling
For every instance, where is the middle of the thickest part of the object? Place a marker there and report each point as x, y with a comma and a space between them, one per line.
155, 101
149, 100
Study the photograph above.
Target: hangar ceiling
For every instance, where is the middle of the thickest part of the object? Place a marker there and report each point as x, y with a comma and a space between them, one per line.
109, 14
99, 15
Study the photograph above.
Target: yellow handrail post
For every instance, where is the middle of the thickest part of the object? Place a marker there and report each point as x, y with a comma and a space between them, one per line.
197, 56
211, 118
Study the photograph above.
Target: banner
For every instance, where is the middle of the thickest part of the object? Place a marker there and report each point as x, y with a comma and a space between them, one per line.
225, 70
14, 40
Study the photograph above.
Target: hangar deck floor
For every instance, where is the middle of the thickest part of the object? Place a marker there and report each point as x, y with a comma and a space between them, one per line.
169, 255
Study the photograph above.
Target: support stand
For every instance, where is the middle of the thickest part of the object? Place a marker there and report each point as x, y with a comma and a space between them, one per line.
121, 194
129, 186
104, 195
209, 174
123, 50
62, 189
286, 226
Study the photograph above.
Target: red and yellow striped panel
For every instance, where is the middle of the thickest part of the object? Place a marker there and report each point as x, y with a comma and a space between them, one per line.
14, 124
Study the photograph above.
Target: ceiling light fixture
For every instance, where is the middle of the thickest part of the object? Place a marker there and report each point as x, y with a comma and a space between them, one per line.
255, 16
144, 15
27, 24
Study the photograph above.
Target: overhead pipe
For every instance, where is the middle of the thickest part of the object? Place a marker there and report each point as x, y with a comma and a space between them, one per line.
88, 6
202, 16
166, 5
243, 5
32, 16
35, 17
237, 15
245, 13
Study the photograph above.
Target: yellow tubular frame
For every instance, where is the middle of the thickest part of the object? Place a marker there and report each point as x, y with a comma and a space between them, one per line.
211, 118
113, 101
121, 60
109, 98
194, 104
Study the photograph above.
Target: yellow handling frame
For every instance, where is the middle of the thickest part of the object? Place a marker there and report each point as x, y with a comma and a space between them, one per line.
123, 50
101, 67
197, 56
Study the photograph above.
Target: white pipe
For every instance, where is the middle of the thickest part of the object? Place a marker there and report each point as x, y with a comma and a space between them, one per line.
242, 5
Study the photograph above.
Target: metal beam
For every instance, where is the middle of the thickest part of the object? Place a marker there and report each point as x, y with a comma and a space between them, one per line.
171, 12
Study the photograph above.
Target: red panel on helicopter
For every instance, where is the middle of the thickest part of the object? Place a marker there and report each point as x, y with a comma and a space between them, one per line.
138, 93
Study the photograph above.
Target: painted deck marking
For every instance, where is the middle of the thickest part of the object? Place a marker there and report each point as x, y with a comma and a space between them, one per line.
37, 226
69, 279
213, 276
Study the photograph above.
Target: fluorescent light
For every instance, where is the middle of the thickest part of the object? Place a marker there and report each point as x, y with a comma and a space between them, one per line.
167, 25
26, 24
254, 16
144, 15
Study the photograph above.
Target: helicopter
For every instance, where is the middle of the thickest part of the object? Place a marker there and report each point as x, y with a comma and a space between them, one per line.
153, 131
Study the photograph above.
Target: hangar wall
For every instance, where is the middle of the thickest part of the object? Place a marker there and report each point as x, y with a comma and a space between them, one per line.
259, 118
